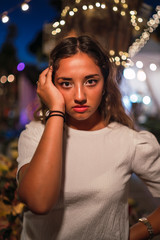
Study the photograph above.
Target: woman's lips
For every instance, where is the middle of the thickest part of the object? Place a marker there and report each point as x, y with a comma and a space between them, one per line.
80, 109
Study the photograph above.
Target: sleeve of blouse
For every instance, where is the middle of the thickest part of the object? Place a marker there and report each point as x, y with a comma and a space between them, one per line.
146, 160
28, 142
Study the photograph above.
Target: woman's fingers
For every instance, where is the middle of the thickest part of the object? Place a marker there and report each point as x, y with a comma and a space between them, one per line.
48, 93
42, 76
49, 74
46, 76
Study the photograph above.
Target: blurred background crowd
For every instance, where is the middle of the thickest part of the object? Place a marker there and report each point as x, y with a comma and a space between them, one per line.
128, 30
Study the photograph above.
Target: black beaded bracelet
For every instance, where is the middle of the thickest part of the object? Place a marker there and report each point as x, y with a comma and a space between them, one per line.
53, 115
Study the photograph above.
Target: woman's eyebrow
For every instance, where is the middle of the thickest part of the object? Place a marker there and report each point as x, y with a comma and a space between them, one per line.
91, 76
64, 78
86, 77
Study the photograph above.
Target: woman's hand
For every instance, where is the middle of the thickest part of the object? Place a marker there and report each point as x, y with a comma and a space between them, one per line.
48, 93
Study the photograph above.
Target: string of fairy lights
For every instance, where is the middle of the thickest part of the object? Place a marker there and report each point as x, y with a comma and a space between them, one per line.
119, 6
152, 24
5, 15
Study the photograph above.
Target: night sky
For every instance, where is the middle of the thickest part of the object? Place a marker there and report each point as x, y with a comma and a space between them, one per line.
28, 24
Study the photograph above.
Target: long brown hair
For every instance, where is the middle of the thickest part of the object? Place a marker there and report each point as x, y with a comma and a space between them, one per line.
111, 106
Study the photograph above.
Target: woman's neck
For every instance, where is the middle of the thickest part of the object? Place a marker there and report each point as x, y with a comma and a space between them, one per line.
91, 124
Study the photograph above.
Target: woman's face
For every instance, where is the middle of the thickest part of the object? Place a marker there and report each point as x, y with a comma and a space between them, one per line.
81, 82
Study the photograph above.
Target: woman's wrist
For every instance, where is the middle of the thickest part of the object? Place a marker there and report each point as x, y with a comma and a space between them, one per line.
50, 112
55, 113
138, 232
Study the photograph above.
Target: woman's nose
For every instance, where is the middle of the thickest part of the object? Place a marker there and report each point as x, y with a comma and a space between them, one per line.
80, 95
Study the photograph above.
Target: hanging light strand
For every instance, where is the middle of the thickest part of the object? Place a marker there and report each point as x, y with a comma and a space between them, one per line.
152, 24
5, 15
119, 6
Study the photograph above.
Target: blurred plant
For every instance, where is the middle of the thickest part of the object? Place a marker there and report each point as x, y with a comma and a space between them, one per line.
10, 208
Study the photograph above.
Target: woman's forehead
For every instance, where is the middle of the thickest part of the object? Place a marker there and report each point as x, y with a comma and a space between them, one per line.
77, 62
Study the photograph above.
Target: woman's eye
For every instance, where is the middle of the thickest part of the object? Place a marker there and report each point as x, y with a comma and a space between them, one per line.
91, 82
66, 84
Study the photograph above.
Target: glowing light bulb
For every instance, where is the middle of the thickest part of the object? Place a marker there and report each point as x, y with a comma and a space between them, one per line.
140, 19
71, 13
132, 12
111, 52
11, 78
5, 18
20, 66
146, 100
123, 13
125, 5
58, 30
103, 6
153, 67
115, 9
54, 32
84, 7
90, 6
24, 6
129, 73
3, 79
117, 59
139, 64
98, 4
75, 9
134, 98
137, 28
62, 22
141, 76
123, 57
56, 24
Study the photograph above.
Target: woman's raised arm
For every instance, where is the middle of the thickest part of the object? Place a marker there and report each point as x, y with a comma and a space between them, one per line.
40, 180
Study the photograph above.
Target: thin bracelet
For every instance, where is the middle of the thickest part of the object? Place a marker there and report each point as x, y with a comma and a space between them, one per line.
49, 112
57, 112
53, 115
145, 221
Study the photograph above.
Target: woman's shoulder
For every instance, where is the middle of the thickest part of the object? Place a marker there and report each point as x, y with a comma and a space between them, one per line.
34, 125
138, 136
33, 128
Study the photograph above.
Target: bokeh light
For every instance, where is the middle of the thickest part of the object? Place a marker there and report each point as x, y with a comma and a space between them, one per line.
5, 18
141, 75
146, 100
24, 6
139, 64
20, 66
11, 78
3, 79
129, 73
153, 67
134, 98
127, 103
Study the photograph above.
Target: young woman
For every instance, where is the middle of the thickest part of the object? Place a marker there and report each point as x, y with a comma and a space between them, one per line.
74, 176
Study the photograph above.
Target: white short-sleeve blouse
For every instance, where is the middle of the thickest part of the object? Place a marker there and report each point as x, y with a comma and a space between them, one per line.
97, 166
